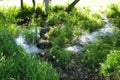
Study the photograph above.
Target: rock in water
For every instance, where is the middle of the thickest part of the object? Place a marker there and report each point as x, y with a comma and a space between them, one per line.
44, 45
43, 31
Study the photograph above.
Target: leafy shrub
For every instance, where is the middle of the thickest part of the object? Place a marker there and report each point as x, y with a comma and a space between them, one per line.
113, 11
57, 8
111, 67
23, 67
39, 12
61, 35
96, 53
114, 14
26, 12
7, 41
61, 57
57, 18
9, 14
18, 65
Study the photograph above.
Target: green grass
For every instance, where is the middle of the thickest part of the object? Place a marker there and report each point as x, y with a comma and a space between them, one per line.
114, 14
16, 63
24, 67
110, 68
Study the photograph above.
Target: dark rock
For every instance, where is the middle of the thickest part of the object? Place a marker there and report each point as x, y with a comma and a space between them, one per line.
44, 45
43, 31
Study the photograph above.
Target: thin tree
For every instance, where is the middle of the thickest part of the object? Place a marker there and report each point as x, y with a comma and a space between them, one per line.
33, 1
21, 1
71, 6
46, 6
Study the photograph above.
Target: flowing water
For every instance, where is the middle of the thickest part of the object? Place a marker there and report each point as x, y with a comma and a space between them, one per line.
29, 48
92, 37
83, 39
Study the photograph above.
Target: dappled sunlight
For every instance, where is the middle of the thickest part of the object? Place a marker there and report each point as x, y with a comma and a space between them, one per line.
59, 42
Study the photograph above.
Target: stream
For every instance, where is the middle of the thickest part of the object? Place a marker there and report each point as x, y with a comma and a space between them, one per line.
29, 48
84, 39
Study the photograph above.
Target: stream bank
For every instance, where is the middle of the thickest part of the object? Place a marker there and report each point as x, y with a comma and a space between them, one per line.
75, 69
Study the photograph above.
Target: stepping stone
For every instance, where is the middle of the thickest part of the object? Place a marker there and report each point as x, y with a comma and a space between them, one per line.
44, 45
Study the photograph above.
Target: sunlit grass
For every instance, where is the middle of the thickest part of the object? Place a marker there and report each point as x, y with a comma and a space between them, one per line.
86, 17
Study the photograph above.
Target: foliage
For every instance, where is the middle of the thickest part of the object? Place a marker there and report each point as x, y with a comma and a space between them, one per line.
15, 63
96, 52
66, 26
9, 15
82, 17
57, 8
61, 57
20, 66
7, 41
26, 12
114, 14
61, 35
57, 18
111, 67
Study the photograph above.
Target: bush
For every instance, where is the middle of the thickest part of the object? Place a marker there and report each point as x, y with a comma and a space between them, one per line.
23, 67
111, 67
16, 64
61, 57
61, 35
57, 18
96, 53
7, 41
9, 14
114, 14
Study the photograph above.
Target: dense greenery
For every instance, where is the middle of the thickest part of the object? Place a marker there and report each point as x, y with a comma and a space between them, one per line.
15, 63
111, 67
114, 14
100, 57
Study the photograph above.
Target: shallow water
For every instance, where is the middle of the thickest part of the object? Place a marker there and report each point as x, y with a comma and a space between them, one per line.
83, 39
29, 48
92, 37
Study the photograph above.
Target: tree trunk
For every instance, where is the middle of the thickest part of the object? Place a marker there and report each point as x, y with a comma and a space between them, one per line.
33, 1
72, 5
46, 6
22, 7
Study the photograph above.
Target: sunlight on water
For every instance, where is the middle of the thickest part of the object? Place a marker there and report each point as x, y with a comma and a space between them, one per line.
92, 37
75, 49
28, 48
108, 29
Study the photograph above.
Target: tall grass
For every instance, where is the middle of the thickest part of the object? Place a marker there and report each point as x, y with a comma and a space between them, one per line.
97, 53
113, 13
24, 67
15, 63
64, 27
110, 68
